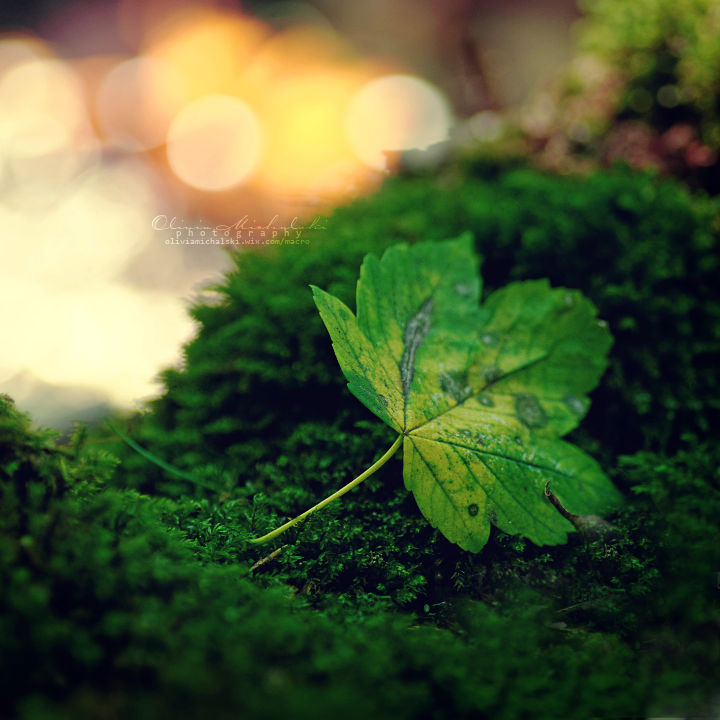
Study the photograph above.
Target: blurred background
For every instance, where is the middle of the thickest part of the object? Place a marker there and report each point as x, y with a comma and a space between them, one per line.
141, 141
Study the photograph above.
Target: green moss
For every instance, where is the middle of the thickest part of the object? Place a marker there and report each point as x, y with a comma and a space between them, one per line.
136, 594
644, 251
118, 604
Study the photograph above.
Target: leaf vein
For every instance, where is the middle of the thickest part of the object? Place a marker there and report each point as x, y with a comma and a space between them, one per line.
440, 485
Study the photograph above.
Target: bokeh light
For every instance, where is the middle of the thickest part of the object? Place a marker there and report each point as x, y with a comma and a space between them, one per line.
294, 52
215, 142
42, 109
395, 112
137, 101
306, 146
70, 315
17, 49
209, 49
203, 113
46, 137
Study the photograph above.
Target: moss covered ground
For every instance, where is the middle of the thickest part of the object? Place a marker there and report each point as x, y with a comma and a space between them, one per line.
128, 592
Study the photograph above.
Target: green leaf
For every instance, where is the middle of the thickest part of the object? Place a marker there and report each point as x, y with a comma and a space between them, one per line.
481, 394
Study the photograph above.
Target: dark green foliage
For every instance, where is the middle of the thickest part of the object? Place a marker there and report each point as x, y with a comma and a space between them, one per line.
645, 252
118, 605
134, 594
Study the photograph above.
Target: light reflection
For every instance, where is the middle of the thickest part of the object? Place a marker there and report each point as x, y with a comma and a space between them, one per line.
396, 112
110, 337
137, 101
206, 108
208, 49
42, 109
17, 49
297, 51
307, 148
68, 314
215, 142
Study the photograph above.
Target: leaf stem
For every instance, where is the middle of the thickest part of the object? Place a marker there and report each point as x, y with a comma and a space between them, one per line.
346, 488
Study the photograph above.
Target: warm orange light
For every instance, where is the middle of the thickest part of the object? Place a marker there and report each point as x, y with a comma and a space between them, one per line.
395, 112
215, 142
137, 101
300, 81
208, 49
307, 150
297, 51
17, 49
255, 122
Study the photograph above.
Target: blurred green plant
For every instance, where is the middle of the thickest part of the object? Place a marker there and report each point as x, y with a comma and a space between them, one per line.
646, 90
669, 52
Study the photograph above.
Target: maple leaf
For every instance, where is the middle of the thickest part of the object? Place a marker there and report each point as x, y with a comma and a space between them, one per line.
479, 394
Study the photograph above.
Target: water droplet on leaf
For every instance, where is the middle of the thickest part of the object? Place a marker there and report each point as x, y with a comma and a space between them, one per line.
485, 399
454, 384
575, 404
530, 411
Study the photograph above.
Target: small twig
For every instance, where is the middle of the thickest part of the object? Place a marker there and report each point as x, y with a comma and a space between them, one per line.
591, 527
269, 557
558, 505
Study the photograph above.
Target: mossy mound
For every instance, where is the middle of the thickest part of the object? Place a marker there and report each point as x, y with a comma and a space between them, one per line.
117, 604
137, 594
645, 252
